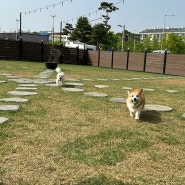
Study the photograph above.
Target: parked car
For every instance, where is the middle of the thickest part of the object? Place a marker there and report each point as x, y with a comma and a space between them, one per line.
160, 51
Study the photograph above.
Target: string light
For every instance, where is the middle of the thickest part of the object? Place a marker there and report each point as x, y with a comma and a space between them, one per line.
89, 14
47, 7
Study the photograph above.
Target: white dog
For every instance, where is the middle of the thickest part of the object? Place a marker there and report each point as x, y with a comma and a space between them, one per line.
60, 77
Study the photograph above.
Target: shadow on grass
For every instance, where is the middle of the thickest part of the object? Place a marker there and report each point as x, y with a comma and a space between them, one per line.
153, 117
102, 180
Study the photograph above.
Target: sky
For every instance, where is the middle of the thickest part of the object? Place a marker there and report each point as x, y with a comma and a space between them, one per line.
136, 15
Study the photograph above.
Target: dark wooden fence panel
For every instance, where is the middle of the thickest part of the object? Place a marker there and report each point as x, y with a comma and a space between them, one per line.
175, 64
93, 58
154, 63
120, 60
105, 59
136, 61
31, 51
9, 49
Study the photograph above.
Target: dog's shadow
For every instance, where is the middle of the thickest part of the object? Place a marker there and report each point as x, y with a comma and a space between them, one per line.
152, 117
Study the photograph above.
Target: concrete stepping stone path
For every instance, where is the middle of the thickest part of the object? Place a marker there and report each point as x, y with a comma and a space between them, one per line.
159, 108
26, 88
95, 94
117, 100
3, 120
19, 100
72, 89
9, 107
101, 86
183, 115
22, 93
172, 91
2, 81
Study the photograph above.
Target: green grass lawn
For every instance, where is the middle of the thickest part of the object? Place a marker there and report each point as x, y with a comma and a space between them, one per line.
61, 137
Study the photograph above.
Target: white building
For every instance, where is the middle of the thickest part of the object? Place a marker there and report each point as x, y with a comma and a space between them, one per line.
159, 32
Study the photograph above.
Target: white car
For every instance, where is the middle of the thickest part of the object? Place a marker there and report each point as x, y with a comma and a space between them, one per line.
161, 51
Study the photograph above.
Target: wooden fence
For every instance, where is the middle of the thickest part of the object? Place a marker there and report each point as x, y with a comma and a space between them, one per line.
173, 64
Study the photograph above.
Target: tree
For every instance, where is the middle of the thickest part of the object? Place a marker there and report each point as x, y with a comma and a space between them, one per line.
68, 29
82, 31
99, 33
108, 8
175, 43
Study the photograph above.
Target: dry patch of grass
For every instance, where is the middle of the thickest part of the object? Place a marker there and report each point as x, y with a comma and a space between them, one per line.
63, 137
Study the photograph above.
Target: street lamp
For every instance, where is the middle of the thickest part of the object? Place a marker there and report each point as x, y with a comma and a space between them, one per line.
17, 20
53, 16
123, 34
164, 27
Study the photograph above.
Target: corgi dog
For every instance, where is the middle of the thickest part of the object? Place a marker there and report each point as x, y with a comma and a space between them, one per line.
135, 102
60, 77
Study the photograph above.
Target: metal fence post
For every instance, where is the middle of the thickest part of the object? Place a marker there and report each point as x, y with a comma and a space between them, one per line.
20, 48
98, 57
145, 57
128, 51
165, 58
42, 51
112, 59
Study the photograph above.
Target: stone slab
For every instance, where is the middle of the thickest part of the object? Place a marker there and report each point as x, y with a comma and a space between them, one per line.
27, 85
95, 94
117, 100
19, 100
183, 115
158, 107
3, 120
22, 93
101, 86
172, 91
2, 81
147, 89
26, 88
22, 80
72, 89
51, 85
127, 88
9, 107
74, 84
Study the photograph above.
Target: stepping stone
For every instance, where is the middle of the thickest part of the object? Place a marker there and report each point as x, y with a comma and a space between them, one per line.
158, 108
40, 81
172, 91
183, 115
2, 81
20, 100
3, 119
22, 93
101, 86
147, 89
117, 100
127, 88
9, 107
72, 89
74, 84
95, 94
22, 80
27, 85
5, 74
15, 77
51, 85
26, 88
115, 79
127, 79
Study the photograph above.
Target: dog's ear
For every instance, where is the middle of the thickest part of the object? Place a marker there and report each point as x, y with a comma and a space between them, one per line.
128, 92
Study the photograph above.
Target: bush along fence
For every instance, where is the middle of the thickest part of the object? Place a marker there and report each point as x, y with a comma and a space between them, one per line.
173, 64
